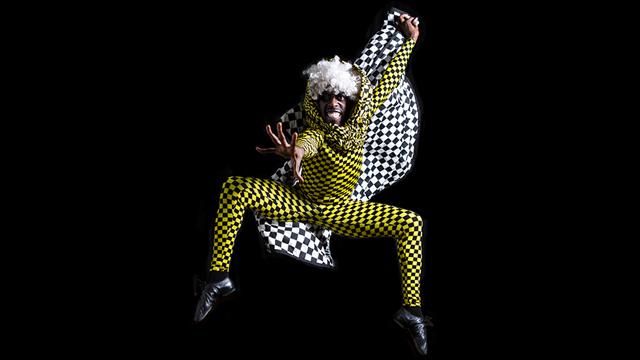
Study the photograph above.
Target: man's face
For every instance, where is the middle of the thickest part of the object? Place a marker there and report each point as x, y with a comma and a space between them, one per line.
334, 108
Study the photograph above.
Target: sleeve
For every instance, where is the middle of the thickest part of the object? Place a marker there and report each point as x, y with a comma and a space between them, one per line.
310, 140
393, 74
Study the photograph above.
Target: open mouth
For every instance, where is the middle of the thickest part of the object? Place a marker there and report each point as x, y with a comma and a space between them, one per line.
334, 114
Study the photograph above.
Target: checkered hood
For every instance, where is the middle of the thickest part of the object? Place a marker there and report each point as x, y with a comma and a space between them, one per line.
388, 155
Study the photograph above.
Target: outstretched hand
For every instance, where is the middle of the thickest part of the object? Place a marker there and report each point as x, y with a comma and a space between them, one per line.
284, 149
409, 26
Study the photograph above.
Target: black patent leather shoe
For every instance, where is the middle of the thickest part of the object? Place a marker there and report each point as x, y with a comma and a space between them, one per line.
212, 292
416, 326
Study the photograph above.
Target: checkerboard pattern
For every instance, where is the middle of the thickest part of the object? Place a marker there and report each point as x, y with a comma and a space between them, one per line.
368, 154
388, 155
289, 206
366, 219
271, 199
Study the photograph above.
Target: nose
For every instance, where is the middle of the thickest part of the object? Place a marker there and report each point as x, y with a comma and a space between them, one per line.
333, 101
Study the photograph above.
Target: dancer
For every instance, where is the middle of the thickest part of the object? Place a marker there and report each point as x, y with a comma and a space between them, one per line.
327, 161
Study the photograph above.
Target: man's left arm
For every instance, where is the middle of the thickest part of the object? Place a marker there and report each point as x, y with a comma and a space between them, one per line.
394, 72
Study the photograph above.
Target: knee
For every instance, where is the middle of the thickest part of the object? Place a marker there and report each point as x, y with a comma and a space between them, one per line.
234, 179
414, 223
416, 220
233, 184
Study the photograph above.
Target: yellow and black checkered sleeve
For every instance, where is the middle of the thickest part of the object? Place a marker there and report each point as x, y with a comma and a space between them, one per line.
310, 140
393, 74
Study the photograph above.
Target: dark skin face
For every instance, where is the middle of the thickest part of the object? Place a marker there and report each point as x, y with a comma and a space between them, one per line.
334, 108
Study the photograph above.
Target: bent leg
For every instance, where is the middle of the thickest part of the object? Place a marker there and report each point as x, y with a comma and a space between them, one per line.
270, 198
361, 219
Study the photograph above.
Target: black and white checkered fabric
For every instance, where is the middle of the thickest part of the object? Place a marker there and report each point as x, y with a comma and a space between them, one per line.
388, 151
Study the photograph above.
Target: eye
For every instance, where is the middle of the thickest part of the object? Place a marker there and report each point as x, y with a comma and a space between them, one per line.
326, 97
340, 97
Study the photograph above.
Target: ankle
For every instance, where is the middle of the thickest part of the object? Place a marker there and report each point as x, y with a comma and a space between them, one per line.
217, 276
414, 310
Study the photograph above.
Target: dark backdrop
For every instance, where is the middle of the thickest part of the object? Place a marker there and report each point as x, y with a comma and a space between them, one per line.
184, 95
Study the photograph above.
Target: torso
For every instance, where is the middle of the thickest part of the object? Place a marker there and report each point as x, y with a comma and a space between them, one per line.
330, 176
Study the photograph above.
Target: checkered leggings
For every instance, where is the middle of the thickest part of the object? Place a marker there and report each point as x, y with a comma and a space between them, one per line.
351, 218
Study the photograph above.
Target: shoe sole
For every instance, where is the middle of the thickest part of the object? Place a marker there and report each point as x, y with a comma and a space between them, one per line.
415, 345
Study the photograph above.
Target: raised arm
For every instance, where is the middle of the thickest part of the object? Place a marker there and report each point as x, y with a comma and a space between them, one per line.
396, 68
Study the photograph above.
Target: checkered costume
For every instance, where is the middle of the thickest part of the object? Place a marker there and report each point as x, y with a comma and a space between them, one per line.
343, 166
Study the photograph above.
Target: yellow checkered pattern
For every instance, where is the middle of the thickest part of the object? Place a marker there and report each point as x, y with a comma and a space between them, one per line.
333, 154
351, 136
331, 168
358, 219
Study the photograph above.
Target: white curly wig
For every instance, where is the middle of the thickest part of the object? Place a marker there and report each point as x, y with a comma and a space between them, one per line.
335, 76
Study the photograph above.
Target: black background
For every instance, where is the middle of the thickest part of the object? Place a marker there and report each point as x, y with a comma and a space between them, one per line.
181, 96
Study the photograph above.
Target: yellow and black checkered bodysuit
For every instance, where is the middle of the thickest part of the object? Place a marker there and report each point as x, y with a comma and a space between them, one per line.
331, 166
